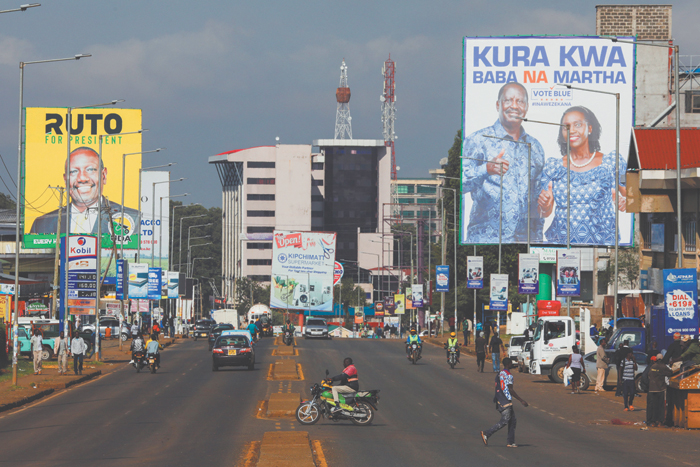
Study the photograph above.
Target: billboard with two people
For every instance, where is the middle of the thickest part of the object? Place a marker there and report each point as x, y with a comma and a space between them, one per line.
516, 110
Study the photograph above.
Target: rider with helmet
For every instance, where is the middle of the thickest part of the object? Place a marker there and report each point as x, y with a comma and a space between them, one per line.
413, 338
348, 382
288, 327
452, 342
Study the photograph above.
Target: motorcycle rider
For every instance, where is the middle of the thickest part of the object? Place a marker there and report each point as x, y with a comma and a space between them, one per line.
253, 330
288, 328
153, 347
137, 345
413, 338
348, 382
452, 342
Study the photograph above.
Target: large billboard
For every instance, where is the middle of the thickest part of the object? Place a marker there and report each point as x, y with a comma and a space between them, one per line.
680, 300
509, 79
302, 270
45, 165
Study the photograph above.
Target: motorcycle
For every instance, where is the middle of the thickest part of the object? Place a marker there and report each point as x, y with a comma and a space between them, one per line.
288, 338
452, 359
358, 407
152, 362
414, 353
139, 361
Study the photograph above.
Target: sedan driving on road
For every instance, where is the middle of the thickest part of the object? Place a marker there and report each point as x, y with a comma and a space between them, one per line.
216, 332
233, 350
316, 327
202, 328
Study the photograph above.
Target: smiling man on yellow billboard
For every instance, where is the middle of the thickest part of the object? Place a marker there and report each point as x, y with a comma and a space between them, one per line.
45, 168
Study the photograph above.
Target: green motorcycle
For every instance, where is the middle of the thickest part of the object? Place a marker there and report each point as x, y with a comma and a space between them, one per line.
358, 407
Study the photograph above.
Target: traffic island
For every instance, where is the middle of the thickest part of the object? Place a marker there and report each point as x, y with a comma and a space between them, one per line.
287, 370
286, 449
285, 352
283, 404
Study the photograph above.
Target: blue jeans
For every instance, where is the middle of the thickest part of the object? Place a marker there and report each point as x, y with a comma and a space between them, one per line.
496, 360
507, 418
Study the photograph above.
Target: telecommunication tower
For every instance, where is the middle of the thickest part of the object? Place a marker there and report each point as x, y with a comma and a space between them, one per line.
388, 100
343, 126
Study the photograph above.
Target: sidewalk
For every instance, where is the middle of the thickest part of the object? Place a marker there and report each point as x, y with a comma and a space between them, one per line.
49, 380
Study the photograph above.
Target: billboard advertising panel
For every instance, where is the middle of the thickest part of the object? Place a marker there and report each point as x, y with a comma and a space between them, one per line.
45, 165
399, 305
442, 278
417, 295
508, 79
475, 272
173, 284
568, 273
680, 300
528, 273
303, 266
499, 292
138, 281
154, 285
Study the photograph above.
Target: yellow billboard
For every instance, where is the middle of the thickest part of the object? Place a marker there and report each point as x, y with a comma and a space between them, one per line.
45, 168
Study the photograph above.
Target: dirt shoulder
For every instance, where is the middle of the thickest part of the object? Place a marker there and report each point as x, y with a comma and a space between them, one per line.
29, 384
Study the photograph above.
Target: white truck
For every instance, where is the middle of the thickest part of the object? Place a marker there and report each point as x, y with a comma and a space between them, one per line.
552, 342
226, 316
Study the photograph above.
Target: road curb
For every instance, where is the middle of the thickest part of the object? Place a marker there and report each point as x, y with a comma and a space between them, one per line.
26, 400
87, 377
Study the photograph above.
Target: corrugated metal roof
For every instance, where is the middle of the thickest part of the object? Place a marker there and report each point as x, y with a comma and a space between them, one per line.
656, 148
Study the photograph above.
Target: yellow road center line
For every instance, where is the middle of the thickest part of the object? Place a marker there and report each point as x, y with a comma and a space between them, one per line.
319, 457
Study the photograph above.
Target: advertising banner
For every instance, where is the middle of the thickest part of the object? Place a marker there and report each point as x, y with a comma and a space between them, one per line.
399, 304
408, 301
7, 289
173, 284
122, 266
379, 309
138, 281
568, 273
680, 300
154, 285
528, 273
417, 295
45, 165
499, 292
389, 306
338, 272
154, 241
442, 278
303, 265
475, 272
5, 312
507, 79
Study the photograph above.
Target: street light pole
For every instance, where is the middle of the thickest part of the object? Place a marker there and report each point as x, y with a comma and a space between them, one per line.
179, 255
153, 215
172, 230
160, 234
138, 222
15, 321
22, 8
189, 270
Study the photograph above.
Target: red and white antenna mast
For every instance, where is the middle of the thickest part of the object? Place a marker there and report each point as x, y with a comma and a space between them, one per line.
343, 125
388, 99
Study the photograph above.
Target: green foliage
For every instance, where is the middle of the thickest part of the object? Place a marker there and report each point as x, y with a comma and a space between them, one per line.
6, 202
249, 293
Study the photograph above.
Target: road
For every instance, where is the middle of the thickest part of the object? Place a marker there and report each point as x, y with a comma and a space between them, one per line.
188, 415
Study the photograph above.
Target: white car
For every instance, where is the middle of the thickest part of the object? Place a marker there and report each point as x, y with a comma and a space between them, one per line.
515, 347
524, 358
109, 322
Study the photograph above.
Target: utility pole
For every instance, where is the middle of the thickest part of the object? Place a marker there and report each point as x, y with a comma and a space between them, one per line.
444, 254
54, 298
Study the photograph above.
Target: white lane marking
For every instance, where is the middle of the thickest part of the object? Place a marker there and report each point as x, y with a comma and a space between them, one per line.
453, 427
435, 414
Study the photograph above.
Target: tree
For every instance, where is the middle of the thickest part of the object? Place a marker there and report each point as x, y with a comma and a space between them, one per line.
6, 202
250, 292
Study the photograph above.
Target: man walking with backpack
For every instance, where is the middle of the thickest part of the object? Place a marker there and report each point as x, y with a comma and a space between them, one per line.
504, 404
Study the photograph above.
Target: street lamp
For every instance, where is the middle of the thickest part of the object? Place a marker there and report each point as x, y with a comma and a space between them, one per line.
676, 59
15, 324
189, 251
160, 234
123, 181
617, 184
189, 232
179, 255
153, 214
138, 222
568, 188
22, 7
172, 221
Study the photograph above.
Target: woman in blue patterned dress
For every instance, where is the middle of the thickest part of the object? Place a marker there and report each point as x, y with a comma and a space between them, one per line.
593, 188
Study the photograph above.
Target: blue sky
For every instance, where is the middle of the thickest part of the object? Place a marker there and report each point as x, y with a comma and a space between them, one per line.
213, 76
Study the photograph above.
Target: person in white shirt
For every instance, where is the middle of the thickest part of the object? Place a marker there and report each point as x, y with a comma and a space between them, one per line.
37, 348
61, 348
78, 348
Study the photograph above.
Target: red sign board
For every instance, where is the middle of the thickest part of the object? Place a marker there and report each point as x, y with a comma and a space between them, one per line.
548, 307
338, 271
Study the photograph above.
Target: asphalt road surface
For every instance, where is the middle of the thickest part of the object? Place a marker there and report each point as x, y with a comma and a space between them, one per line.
429, 415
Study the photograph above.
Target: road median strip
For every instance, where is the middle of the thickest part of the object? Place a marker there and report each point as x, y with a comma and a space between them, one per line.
285, 449
285, 370
285, 352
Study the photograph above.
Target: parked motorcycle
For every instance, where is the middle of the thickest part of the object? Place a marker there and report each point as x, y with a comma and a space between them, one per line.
288, 338
357, 407
452, 359
139, 361
414, 353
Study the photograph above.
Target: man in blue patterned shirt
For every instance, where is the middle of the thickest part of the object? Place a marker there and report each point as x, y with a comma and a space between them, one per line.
482, 178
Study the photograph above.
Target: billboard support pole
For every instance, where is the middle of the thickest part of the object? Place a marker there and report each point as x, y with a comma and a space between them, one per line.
54, 299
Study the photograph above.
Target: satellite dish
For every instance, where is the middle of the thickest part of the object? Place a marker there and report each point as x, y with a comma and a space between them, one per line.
382, 98
349, 118
398, 168
277, 138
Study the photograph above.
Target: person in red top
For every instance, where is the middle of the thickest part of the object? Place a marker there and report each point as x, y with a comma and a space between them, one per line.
348, 382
